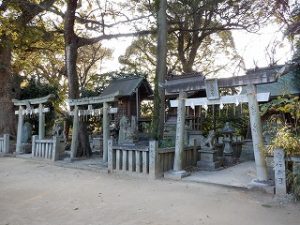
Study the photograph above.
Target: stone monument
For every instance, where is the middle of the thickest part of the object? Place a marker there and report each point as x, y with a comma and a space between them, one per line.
26, 138
125, 132
279, 167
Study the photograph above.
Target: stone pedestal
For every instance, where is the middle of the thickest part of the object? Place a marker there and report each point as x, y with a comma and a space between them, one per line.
247, 151
208, 160
26, 148
176, 175
228, 159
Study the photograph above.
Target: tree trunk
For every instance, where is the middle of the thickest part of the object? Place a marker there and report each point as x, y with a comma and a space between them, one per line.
71, 47
161, 69
7, 115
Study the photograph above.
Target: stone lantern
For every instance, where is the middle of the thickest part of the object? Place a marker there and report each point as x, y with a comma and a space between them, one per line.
228, 150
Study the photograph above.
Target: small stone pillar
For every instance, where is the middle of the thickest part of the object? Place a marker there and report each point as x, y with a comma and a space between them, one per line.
74, 142
279, 167
110, 155
33, 149
19, 132
153, 160
55, 152
177, 173
6, 143
105, 125
41, 122
257, 136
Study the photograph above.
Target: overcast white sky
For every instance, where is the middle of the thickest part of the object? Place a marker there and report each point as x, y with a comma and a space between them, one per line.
252, 47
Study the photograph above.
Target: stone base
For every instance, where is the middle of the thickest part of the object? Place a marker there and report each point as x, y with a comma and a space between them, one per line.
228, 160
247, 153
209, 166
26, 148
208, 160
263, 186
176, 175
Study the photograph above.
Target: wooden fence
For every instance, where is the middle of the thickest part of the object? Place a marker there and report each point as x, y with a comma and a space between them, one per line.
146, 161
4, 144
166, 158
45, 148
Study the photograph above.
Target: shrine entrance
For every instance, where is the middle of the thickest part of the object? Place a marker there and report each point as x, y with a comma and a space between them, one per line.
211, 86
27, 108
80, 114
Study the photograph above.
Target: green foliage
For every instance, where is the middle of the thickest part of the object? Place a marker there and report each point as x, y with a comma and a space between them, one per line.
216, 118
286, 140
287, 108
293, 179
35, 89
166, 143
283, 125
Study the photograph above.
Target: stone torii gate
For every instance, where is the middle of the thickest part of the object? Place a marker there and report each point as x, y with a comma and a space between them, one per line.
105, 110
212, 91
29, 110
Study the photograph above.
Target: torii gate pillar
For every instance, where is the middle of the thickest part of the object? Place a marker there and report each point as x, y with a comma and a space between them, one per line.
257, 136
105, 125
178, 173
20, 128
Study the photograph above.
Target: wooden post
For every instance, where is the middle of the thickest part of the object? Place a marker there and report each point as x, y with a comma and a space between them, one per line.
74, 142
41, 122
20, 128
257, 136
195, 153
105, 124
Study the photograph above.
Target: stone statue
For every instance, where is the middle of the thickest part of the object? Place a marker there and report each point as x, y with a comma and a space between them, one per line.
58, 130
208, 143
125, 131
26, 132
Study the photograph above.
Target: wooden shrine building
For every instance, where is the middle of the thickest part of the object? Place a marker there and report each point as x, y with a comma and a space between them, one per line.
132, 91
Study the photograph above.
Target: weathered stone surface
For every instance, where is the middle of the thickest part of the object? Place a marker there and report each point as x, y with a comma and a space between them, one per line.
208, 160
176, 175
26, 132
247, 151
280, 176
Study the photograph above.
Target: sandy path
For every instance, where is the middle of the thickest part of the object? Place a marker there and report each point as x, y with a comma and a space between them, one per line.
37, 194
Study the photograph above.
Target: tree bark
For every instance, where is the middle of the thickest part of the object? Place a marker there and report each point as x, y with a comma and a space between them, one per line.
7, 115
161, 69
71, 54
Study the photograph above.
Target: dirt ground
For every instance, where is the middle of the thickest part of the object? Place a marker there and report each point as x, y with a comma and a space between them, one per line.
37, 194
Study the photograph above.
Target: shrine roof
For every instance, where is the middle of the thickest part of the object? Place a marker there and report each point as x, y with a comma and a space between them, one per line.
287, 84
127, 86
187, 82
196, 81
